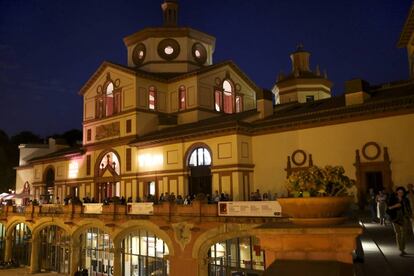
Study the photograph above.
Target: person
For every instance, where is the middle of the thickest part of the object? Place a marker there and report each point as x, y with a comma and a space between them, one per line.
381, 199
216, 197
372, 204
400, 212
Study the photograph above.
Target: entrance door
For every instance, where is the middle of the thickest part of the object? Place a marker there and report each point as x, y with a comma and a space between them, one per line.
200, 180
374, 181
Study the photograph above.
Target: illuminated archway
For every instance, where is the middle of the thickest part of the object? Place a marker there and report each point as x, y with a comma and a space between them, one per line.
2, 240
97, 252
143, 253
54, 249
21, 243
198, 162
107, 175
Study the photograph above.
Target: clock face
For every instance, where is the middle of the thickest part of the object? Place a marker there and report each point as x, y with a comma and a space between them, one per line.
199, 53
168, 49
138, 54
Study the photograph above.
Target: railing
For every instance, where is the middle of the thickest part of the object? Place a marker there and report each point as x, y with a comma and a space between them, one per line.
195, 209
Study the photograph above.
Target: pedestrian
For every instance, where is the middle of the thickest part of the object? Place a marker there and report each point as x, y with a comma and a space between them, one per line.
381, 199
372, 204
400, 212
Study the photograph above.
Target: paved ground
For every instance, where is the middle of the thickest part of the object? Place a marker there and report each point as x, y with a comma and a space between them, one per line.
381, 253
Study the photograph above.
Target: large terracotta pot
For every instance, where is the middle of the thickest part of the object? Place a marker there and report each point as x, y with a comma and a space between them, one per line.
315, 210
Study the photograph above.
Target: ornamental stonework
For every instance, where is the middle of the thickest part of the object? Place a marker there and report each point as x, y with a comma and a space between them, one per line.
106, 131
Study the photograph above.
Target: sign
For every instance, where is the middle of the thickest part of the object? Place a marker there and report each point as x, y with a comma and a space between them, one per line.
144, 208
92, 208
250, 209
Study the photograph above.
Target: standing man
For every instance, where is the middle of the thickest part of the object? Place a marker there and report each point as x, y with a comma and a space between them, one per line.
400, 213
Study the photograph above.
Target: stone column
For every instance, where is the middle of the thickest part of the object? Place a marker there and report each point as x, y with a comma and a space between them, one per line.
8, 248
75, 257
34, 255
117, 260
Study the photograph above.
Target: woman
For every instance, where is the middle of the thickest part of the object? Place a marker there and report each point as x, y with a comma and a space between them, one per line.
381, 199
400, 212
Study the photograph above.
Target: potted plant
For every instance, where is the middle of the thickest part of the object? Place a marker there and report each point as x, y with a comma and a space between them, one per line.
317, 195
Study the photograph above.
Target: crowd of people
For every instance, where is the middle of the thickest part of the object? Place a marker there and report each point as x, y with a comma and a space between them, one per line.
395, 208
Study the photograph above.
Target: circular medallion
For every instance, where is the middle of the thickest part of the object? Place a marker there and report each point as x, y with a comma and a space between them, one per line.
238, 87
117, 82
99, 89
199, 53
138, 54
299, 157
371, 151
168, 49
218, 81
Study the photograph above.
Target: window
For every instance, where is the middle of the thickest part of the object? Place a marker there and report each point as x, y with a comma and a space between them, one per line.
108, 102
200, 157
151, 188
109, 99
228, 97
128, 159
225, 99
152, 97
218, 100
239, 104
88, 135
181, 97
88, 165
143, 253
97, 252
128, 126
310, 98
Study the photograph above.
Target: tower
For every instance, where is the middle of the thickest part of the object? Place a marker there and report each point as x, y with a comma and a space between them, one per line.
302, 84
169, 48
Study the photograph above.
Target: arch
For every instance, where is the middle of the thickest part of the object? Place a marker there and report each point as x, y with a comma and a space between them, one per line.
223, 232
47, 174
85, 225
228, 96
192, 148
13, 224
133, 226
42, 225
100, 157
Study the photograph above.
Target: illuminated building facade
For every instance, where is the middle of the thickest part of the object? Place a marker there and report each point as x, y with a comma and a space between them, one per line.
172, 121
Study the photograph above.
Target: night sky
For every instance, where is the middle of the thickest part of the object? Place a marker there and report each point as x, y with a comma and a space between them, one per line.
50, 48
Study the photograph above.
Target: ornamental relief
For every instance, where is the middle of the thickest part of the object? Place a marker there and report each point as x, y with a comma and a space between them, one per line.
108, 130
182, 233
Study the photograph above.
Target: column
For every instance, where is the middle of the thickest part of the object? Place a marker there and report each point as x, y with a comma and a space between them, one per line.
75, 257
34, 255
8, 248
117, 260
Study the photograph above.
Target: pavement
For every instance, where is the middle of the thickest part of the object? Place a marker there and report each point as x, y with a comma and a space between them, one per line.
381, 254
24, 271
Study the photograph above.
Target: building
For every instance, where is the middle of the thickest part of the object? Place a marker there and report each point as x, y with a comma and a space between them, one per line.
172, 121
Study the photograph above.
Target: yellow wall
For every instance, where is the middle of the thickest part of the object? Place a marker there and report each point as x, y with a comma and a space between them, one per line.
335, 145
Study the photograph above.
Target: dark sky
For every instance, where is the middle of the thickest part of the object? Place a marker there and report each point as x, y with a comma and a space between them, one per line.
49, 48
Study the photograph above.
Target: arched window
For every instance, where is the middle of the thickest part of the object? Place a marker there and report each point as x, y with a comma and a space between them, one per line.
21, 245
242, 255
112, 159
152, 98
228, 97
54, 249
109, 99
181, 98
97, 252
200, 157
144, 254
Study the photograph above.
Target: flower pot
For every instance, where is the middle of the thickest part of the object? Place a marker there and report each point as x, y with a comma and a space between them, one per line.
315, 210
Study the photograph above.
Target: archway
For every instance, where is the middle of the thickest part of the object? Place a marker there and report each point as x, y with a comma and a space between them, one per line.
21, 244
199, 164
237, 256
97, 252
143, 253
54, 250
107, 176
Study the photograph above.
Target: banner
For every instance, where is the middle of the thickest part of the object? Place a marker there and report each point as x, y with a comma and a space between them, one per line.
144, 208
250, 209
92, 208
